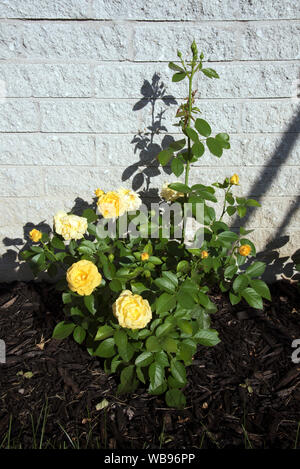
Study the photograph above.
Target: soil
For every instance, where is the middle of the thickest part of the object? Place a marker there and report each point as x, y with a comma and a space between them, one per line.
243, 393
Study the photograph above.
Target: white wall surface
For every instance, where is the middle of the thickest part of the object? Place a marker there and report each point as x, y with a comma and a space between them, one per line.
71, 73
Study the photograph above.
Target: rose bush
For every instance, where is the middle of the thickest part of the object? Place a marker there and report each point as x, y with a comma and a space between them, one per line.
142, 302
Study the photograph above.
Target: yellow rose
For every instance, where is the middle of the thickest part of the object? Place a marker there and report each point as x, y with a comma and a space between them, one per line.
83, 277
169, 194
98, 192
204, 254
234, 180
131, 199
132, 311
245, 250
111, 205
35, 235
144, 256
70, 226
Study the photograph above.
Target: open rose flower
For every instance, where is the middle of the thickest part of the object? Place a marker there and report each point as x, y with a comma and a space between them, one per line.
132, 311
83, 277
130, 199
111, 205
70, 226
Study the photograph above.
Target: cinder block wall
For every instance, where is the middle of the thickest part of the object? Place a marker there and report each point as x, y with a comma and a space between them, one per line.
73, 73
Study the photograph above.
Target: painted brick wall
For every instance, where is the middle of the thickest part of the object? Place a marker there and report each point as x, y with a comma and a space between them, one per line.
71, 83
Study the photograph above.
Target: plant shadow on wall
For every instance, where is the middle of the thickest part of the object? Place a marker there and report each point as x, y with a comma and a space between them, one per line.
276, 265
10, 266
145, 143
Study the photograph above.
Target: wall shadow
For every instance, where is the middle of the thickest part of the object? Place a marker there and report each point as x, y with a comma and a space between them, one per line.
276, 265
147, 144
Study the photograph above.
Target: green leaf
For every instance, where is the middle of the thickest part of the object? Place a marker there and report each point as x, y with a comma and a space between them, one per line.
192, 134
106, 348
26, 254
178, 76
85, 250
183, 266
170, 345
185, 326
57, 243
228, 236
210, 73
252, 203
89, 302
252, 298
203, 299
177, 145
128, 380
103, 332
165, 302
207, 196
90, 215
63, 329
198, 149
203, 127
207, 337
125, 349
164, 328
175, 398
67, 298
223, 139
177, 166
241, 210
231, 210
261, 288
187, 348
155, 260
115, 285
229, 198
140, 374
165, 284
170, 276
156, 375
180, 187
138, 287
186, 294
240, 282
164, 156
162, 358
230, 271
152, 344
256, 269
144, 359
234, 299
79, 334
75, 311
39, 259
175, 67
178, 371
214, 146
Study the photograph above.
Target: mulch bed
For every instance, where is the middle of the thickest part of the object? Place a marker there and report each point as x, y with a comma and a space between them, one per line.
243, 393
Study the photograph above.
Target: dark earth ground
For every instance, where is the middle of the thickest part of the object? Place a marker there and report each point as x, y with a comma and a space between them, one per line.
243, 393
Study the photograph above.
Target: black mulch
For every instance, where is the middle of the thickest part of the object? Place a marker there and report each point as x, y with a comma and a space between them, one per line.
243, 393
